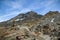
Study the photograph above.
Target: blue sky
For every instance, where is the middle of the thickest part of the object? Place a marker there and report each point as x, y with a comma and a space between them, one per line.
11, 8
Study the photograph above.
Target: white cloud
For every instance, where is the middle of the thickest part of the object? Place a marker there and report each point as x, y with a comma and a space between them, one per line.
48, 6
37, 4
25, 10
8, 16
12, 14
14, 5
40, 4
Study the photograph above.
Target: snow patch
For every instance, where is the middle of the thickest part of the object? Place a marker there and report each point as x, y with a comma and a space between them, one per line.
52, 20
19, 19
22, 19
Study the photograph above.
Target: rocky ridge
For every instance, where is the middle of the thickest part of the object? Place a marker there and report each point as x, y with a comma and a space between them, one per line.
31, 26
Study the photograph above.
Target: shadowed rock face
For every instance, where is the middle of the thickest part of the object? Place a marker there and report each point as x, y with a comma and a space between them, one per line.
31, 26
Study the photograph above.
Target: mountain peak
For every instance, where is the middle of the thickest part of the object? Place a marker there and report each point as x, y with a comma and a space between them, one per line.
27, 16
52, 12
31, 13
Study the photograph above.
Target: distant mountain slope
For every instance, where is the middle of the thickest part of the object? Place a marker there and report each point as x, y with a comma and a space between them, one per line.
23, 19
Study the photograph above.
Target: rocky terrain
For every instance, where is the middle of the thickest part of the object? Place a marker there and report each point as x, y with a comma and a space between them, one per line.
31, 26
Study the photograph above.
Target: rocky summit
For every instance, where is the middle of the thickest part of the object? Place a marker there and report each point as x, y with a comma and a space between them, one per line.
31, 26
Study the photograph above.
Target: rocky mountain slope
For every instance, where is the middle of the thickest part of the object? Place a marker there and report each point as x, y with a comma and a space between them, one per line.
26, 19
32, 26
